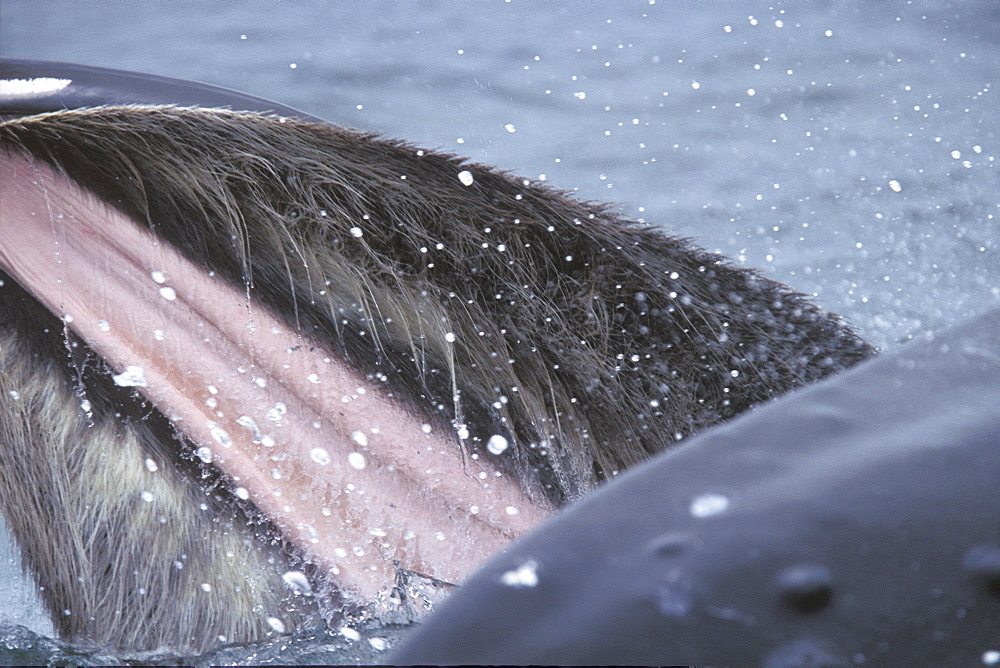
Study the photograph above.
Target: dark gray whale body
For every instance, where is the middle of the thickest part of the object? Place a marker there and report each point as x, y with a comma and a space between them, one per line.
751, 544
84, 86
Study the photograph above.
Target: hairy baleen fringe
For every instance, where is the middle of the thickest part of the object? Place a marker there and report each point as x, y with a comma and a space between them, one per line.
588, 341
569, 322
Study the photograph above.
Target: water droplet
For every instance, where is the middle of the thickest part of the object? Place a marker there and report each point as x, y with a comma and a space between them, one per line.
204, 454
497, 444
242, 493
132, 376
350, 633
320, 456
276, 624
359, 438
465, 176
357, 232
168, 293
104, 325
151, 465
220, 435
147, 496
356, 460
309, 531
274, 415
158, 277
525, 575
707, 505
297, 582
248, 423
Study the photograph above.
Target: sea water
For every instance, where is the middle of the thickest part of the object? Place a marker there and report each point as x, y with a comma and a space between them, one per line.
849, 149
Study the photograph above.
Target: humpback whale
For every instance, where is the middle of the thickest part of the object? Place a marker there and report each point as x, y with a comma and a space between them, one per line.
259, 371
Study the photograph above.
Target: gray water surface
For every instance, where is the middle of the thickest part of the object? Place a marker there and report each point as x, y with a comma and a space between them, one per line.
848, 149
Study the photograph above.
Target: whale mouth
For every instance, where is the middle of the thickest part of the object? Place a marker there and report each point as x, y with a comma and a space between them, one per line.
351, 476
401, 360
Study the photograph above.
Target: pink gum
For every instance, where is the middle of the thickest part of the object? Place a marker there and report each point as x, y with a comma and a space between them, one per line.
218, 357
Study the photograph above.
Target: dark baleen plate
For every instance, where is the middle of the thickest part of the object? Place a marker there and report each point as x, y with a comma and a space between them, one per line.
863, 525
96, 86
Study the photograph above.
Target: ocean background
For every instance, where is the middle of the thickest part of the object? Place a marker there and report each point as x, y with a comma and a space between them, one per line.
848, 149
